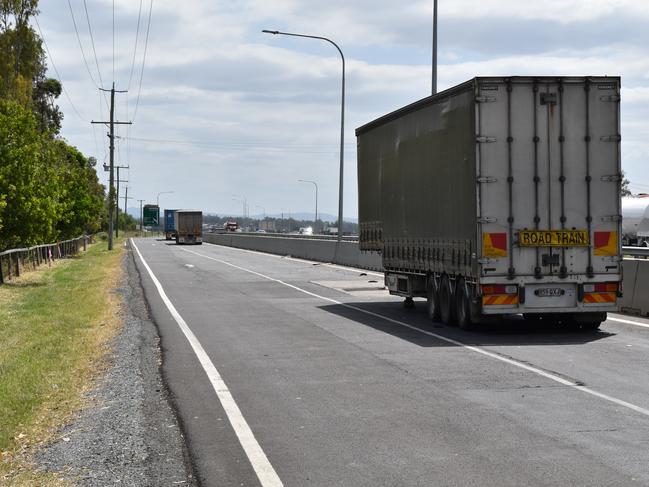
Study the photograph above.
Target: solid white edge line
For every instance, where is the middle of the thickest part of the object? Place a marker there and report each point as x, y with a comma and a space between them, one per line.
472, 348
628, 322
258, 459
297, 259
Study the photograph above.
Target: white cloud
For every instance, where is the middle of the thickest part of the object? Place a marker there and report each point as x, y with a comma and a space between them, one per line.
266, 109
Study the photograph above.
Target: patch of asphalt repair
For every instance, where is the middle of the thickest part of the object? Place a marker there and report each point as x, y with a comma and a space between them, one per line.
130, 434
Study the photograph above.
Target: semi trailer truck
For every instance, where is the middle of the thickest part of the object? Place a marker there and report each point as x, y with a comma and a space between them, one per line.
499, 196
189, 226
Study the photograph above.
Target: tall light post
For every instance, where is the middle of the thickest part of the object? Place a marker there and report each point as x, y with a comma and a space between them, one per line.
157, 200
342, 123
244, 200
315, 221
434, 84
263, 210
157, 203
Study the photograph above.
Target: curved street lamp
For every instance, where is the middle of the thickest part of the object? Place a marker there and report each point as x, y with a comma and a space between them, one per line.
315, 221
342, 123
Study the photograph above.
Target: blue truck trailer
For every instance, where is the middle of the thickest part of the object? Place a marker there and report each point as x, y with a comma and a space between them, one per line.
170, 230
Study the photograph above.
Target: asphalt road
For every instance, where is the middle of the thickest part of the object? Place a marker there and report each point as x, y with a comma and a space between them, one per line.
286, 372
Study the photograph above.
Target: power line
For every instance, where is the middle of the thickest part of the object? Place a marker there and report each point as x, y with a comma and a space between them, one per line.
92, 42
249, 145
83, 54
137, 35
146, 44
49, 54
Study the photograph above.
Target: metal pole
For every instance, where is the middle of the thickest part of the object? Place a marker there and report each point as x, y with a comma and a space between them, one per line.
315, 221
434, 85
342, 123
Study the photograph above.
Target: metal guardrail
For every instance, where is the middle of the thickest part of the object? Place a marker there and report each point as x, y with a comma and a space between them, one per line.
14, 262
636, 251
346, 238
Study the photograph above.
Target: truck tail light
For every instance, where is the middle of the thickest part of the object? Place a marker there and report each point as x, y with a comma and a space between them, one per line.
499, 289
602, 287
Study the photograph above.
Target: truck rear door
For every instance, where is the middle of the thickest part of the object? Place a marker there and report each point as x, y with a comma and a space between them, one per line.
548, 163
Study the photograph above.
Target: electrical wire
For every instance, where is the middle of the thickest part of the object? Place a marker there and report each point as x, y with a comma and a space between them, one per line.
137, 36
248, 145
83, 54
49, 54
146, 44
92, 42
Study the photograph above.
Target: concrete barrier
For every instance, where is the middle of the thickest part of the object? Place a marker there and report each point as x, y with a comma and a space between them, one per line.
636, 287
332, 251
636, 271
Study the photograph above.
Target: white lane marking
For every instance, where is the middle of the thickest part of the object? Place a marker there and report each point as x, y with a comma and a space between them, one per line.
296, 259
628, 322
260, 463
472, 348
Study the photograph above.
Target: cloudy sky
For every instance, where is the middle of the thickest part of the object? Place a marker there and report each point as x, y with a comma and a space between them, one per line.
226, 112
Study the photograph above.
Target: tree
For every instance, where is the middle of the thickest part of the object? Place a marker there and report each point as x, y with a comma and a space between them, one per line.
29, 185
22, 65
624, 189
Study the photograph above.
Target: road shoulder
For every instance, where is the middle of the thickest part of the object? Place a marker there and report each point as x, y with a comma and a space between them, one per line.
130, 433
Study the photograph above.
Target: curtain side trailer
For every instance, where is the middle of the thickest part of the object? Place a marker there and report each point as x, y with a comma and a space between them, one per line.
499, 196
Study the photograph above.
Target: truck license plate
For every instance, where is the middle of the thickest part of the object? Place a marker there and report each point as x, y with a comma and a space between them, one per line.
553, 238
549, 292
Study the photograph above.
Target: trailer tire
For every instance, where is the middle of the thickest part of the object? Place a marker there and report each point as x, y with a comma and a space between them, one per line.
463, 305
446, 301
432, 299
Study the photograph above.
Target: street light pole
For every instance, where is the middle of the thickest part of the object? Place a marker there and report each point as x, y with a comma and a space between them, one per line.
342, 123
315, 222
157, 203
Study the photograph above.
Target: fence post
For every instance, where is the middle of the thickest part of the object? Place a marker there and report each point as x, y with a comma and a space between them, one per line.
2, 279
17, 264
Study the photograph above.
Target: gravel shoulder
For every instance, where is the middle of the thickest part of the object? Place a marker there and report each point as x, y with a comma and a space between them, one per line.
129, 434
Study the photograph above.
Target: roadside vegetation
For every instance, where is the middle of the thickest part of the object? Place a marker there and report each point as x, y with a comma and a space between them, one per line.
49, 190
56, 325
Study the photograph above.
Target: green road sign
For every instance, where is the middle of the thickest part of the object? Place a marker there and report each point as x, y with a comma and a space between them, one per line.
151, 215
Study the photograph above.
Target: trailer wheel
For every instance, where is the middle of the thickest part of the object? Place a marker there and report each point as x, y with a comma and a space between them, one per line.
432, 300
446, 301
463, 305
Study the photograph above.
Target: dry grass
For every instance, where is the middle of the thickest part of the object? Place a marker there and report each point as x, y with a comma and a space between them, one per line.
56, 325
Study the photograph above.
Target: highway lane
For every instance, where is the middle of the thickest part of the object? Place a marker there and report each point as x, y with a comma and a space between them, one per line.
335, 396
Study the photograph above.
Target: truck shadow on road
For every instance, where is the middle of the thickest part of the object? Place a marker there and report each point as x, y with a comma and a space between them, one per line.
510, 331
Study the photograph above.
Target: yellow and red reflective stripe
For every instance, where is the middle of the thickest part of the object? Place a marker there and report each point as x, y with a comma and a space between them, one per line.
500, 299
597, 298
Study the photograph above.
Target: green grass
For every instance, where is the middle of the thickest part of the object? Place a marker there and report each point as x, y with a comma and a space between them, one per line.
55, 324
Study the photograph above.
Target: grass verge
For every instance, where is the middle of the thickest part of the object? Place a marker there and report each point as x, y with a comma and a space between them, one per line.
55, 326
